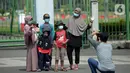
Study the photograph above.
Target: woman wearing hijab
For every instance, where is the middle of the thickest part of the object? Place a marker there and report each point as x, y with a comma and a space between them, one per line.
76, 28
30, 40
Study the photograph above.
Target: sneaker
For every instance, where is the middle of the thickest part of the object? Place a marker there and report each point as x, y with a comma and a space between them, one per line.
46, 69
39, 70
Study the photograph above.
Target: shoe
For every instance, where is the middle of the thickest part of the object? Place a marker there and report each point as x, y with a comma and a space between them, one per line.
46, 69
39, 70
70, 67
76, 67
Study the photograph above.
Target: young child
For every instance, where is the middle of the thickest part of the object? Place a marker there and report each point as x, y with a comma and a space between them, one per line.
104, 54
60, 40
35, 28
44, 50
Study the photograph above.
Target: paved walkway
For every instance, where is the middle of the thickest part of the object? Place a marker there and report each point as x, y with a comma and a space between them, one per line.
13, 61
21, 61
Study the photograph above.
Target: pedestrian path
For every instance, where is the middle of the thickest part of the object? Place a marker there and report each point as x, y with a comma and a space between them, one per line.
21, 61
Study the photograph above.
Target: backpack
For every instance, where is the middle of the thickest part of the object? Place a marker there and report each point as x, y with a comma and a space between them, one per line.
44, 43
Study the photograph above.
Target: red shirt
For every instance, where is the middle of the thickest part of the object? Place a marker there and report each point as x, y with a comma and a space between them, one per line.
60, 37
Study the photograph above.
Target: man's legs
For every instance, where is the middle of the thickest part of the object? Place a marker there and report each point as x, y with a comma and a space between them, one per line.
93, 64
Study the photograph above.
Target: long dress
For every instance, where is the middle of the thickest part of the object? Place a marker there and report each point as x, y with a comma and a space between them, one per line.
30, 41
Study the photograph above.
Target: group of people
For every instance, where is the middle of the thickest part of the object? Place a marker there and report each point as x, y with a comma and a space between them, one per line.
65, 38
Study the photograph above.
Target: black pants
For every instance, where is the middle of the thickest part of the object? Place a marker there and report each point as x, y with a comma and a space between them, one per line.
70, 56
43, 61
50, 56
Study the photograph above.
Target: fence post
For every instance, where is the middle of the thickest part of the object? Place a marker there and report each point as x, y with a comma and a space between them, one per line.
32, 8
70, 6
12, 19
27, 7
94, 12
127, 19
106, 10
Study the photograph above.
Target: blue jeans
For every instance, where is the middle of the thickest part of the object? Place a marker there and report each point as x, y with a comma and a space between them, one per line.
93, 64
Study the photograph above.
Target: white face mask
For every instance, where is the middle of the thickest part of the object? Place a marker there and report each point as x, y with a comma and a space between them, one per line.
60, 27
75, 14
47, 20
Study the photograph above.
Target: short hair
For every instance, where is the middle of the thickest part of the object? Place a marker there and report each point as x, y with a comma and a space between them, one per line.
46, 16
104, 36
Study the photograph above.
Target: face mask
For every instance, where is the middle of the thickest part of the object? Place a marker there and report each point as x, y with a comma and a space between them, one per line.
47, 20
60, 27
75, 14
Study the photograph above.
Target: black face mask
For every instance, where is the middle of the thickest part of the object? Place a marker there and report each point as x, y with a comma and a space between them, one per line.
46, 18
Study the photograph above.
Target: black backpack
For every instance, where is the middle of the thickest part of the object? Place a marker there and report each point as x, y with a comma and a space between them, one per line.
44, 42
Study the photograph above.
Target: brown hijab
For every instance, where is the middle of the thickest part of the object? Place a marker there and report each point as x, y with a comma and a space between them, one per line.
76, 26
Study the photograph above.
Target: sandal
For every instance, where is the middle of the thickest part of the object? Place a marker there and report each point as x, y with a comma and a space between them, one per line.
55, 70
76, 67
63, 69
70, 68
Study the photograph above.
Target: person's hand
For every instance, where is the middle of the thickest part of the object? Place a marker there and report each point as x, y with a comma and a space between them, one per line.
92, 19
94, 32
55, 45
64, 43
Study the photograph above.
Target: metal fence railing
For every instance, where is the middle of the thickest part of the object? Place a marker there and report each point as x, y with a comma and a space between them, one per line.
116, 25
10, 28
111, 20
64, 9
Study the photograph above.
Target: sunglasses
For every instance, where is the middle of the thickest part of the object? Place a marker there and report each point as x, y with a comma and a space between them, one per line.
46, 17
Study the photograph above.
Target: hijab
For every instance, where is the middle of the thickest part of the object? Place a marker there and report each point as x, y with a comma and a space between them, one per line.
76, 26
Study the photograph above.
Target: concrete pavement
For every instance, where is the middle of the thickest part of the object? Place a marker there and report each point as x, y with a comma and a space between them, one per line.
13, 61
